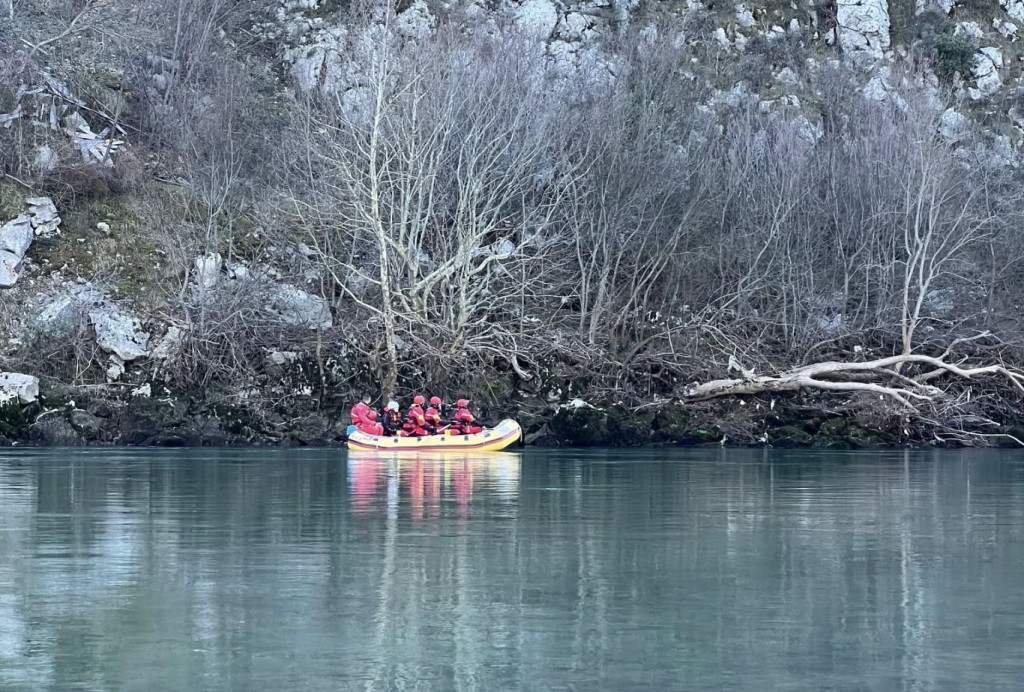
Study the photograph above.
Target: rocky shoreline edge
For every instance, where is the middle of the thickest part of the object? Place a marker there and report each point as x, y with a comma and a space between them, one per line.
62, 416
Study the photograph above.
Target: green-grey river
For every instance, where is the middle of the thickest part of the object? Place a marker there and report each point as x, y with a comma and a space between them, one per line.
571, 570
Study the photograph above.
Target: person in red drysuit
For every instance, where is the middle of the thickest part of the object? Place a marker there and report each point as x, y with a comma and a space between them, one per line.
464, 420
416, 424
370, 426
433, 414
359, 411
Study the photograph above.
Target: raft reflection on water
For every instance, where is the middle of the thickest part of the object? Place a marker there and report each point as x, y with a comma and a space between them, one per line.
429, 479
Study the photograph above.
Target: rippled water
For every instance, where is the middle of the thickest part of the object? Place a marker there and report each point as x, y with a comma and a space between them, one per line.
257, 570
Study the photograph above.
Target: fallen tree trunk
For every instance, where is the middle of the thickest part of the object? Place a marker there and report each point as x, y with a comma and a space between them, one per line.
853, 377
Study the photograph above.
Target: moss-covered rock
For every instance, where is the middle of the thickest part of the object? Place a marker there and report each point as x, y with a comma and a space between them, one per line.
789, 436
145, 420
861, 438
583, 426
627, 428
13, 421
85, 423
843, 433
54, 430
671, 424
832, 434
311, 431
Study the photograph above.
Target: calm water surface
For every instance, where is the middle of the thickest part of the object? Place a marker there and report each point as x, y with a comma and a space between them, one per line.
257, 570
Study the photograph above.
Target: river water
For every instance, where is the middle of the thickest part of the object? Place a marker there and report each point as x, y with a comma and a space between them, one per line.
655, 569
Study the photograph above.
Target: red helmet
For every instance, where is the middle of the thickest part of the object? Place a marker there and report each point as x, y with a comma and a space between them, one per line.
372, 415
435, 401
462, 403
418, 400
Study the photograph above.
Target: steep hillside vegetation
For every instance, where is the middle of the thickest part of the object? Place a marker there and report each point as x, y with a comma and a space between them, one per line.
622, 221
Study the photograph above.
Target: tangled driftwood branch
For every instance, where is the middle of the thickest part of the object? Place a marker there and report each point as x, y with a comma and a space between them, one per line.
854, 377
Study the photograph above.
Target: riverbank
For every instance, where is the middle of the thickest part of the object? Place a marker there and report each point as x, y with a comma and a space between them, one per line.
151, 416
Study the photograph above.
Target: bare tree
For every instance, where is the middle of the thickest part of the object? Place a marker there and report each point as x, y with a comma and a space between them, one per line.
441, 177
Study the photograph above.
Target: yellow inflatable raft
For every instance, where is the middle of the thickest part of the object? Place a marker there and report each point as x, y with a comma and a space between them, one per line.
499, 437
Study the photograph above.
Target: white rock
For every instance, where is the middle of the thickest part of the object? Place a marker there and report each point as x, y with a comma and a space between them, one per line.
500, 250
16, 235
294, 306
972, 29
60, 314
322, 65
564, 57
145, 391
807, 131
987, 84
721, 38
208, 270
1005, 28
356, 103
115, 369
169, 346
574, 27
1003, 151
787, 76
416, 22
15, 387
103, 227
282, 357
952, 125
1014, 8
475, 11
119, 333
794, 26
1016, 116
43, 212
993, 54
744, 17
9, 264
536, 18
863, 27
879, 89
237, 271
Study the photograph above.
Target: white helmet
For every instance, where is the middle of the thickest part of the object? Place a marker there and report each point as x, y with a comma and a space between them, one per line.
392, 405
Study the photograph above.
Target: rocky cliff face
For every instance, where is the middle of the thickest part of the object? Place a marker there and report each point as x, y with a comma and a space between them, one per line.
971, 47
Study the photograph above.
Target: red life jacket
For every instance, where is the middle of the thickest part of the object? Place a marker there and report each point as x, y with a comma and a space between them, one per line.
416, 415
433, 416
371, 428
466, 422
358, 415
415, 422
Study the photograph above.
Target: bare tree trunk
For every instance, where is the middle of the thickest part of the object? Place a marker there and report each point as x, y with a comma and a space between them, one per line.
851, 377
